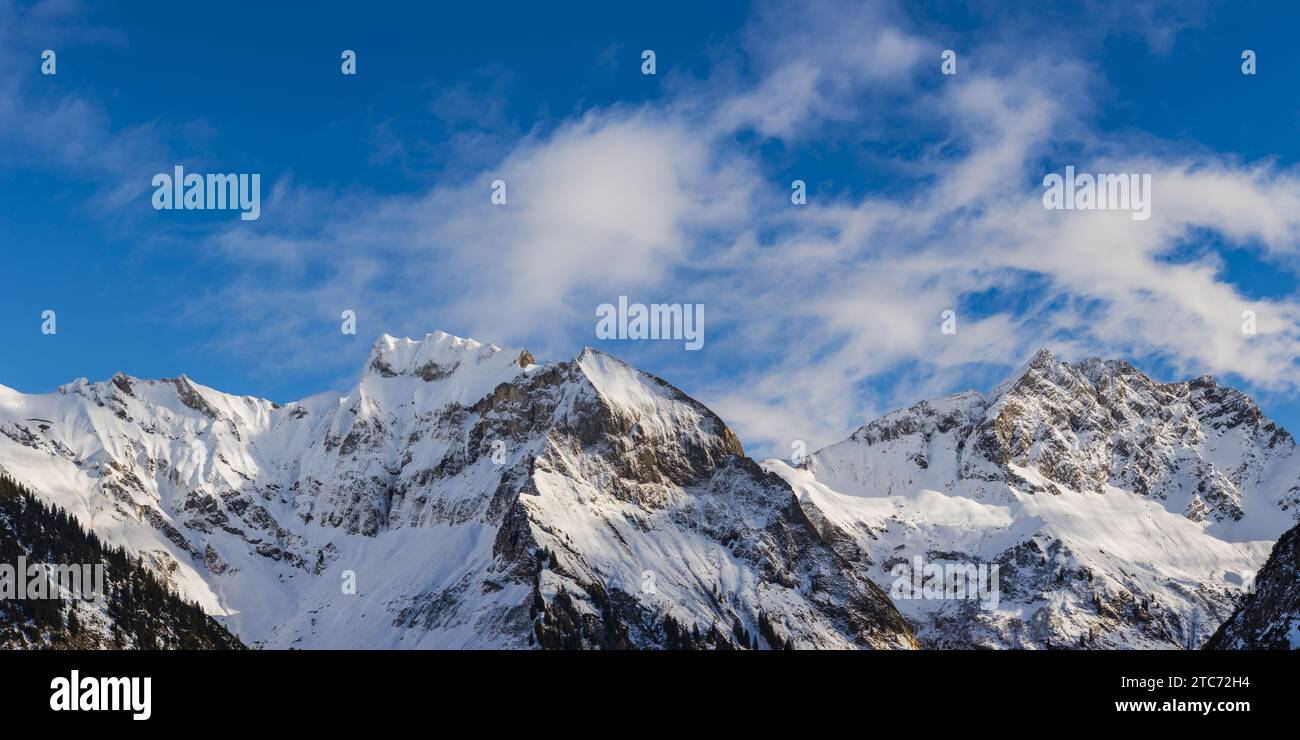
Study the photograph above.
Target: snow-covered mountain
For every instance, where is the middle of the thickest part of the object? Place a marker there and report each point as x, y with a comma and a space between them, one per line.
459, 495
1119, 511
464, 495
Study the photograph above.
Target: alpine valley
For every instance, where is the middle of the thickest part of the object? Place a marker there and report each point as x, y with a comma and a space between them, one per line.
462, 495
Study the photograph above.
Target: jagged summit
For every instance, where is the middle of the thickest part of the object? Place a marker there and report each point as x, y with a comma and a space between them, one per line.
1095, 369
437, 370
1042, 358
437, 355
1119, 507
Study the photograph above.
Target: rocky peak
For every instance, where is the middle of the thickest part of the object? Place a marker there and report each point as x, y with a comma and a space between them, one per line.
1082, 426
190, 395
436, 356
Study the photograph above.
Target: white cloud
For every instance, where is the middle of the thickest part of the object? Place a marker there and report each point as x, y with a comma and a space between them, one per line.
818, 316
810, 308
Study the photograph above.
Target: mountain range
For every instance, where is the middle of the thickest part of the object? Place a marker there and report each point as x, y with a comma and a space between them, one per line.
464, 495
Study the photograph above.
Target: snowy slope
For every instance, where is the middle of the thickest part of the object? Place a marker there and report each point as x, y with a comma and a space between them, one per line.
459, 495
1120, 512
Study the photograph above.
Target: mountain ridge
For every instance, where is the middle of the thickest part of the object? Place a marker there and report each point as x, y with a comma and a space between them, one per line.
1120, 510
478, 498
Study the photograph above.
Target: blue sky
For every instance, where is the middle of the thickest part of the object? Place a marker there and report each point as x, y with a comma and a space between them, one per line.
923, 192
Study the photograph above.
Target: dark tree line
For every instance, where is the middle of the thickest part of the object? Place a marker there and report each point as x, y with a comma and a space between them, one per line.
142, 611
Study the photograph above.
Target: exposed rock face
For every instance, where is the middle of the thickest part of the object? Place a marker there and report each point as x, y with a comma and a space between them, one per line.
1269, 616
459, 495
1122, 512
